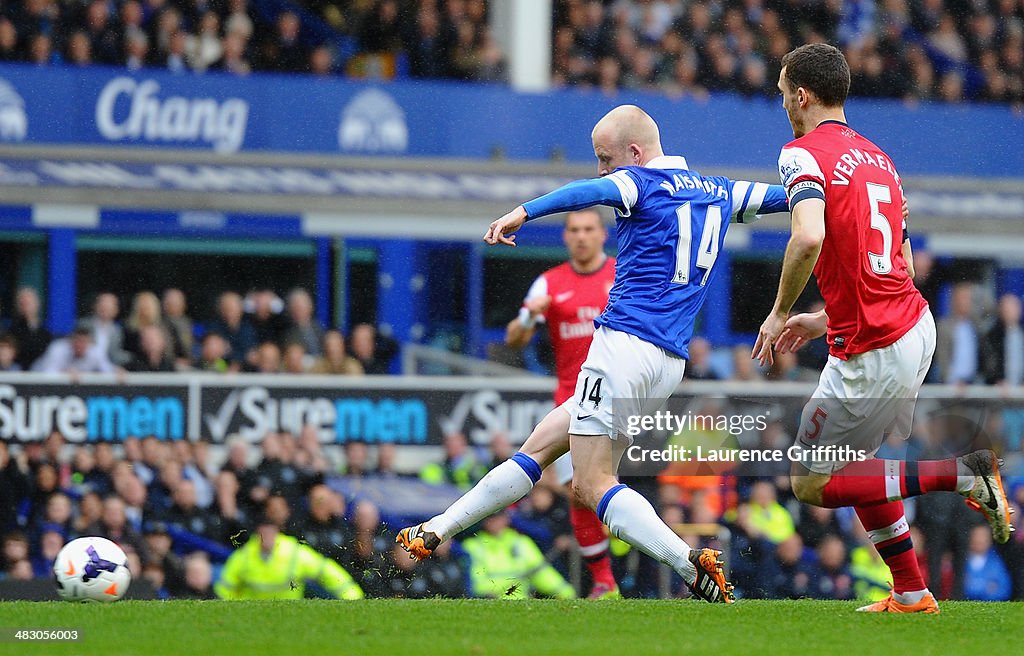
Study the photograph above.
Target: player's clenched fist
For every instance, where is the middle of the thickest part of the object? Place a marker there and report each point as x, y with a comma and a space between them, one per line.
538, 306
501, 231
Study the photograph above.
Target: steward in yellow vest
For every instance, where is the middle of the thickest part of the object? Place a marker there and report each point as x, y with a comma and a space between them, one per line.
272, 565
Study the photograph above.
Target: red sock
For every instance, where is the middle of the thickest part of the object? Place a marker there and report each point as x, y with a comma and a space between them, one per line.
889, 532
876, 481
593, 543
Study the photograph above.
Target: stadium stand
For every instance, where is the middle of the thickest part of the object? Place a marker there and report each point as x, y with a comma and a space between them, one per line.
181, 509
910, 49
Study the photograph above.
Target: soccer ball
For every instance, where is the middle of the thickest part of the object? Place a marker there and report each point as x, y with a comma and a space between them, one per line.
91, 569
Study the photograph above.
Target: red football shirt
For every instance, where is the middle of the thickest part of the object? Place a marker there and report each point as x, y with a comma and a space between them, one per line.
576, 300
870, 299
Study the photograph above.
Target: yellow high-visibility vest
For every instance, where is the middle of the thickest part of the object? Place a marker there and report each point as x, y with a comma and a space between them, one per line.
247, 574
509, 565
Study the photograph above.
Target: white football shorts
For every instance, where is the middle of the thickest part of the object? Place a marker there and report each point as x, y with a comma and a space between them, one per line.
861, 400
623, 375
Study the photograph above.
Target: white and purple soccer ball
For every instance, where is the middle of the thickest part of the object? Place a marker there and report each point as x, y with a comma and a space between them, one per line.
91, 569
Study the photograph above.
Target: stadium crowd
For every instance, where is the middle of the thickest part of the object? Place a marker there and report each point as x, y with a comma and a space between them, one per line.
179, 508
949, 50
258, 333
980, 338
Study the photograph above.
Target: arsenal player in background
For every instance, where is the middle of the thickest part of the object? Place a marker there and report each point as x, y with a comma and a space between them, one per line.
567, 298
847, 227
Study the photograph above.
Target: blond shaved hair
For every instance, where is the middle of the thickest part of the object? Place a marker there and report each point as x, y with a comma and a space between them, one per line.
628, 124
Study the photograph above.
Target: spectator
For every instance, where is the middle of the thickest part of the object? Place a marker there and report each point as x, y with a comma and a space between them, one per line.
381, 31
767, 517
285, 52
294, 360
105, 37
174, 57
9, 355
136, 50
833, 580
198, 577
158, 551
265, 317
506, 564
334, 359
743, 368
986, 577
272, 565
816, 524
185, 514
193, 457
373, 350
27, 328
786, 367
90, 510
51, 541
15, 548
426, 46
106, 331
232, 325
238, 463
8, 40
86, 476
226, 504
114, 526
303, 326
145, 313
74, 354
277, 474
367, 551
322, 526
461, 467
233, 60
152, 355
57, 515
205, 48
1003, 347
213, 354
793, 578
357, 459
698, 367
178, 325
957, 342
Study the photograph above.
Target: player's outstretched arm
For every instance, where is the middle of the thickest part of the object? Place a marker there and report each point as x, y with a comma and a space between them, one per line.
751, 200
615, 190
801, 256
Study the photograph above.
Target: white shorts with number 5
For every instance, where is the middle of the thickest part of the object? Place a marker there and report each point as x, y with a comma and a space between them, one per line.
860, 400
623, 375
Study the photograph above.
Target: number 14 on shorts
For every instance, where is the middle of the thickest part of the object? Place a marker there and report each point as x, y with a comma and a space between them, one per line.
591, 392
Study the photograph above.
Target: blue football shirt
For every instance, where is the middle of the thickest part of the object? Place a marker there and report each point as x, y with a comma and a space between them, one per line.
671, 225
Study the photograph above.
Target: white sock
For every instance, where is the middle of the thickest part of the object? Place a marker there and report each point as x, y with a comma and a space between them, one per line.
505, 484
965, 477
910, 598
632, 518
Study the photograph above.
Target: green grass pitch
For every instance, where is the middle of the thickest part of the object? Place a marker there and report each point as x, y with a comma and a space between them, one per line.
522, 628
